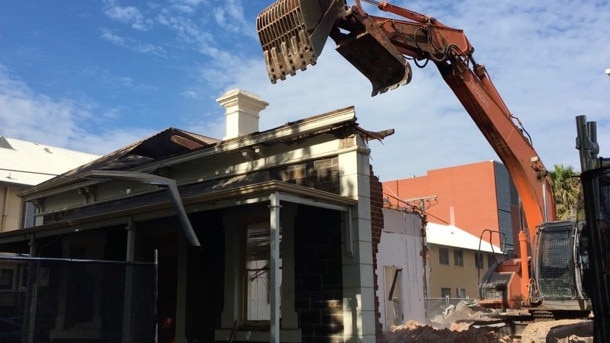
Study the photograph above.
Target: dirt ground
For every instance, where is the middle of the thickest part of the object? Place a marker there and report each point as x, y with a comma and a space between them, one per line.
533, 333
456, 325
414, 332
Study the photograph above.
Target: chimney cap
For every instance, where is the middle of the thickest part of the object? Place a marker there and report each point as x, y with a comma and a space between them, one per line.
241, 94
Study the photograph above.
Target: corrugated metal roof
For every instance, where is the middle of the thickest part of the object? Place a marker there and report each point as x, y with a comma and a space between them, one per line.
453, 236
29, 163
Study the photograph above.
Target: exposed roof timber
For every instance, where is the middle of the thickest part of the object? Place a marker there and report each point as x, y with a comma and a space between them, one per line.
164, 144
298, 128
138, 156
378, 135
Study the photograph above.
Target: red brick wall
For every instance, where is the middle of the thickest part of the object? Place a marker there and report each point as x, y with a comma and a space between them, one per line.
376, 228
466, 191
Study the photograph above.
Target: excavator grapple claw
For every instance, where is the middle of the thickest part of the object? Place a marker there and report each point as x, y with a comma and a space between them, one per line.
370, 50
292, 33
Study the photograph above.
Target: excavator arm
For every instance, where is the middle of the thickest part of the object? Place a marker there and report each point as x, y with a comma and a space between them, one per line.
293, 33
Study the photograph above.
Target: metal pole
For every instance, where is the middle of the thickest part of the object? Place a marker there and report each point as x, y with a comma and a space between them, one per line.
274, 266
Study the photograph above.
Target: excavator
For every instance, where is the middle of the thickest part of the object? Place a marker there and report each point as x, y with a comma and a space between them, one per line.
544, 276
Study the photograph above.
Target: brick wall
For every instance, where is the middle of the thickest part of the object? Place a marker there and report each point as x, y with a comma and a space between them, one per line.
318, 275
322, 174
376, 228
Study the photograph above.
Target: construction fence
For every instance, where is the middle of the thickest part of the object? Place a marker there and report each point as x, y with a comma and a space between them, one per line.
67, 300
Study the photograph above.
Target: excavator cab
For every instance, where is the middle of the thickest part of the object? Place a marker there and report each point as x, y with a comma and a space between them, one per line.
293, 33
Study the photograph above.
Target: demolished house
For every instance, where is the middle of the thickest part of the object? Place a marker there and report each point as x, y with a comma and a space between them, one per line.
263, 236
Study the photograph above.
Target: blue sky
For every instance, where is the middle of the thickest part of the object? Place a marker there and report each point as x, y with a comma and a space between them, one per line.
97, 75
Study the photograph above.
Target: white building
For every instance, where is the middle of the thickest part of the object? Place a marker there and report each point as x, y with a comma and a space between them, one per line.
24, 164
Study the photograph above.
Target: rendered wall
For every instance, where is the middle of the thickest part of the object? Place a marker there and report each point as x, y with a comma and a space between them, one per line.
10, 208
401, 247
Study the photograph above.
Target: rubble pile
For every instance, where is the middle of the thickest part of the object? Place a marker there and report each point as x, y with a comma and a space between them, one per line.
413, 332
467, 322
452, 324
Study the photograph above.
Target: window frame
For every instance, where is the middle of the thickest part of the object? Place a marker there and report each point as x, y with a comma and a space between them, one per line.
491, 260
458, 257
460, 293
478, 260
443, 256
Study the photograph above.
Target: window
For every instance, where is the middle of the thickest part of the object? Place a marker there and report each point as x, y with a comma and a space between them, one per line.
445, 292
257, 269
458, 257
491, 260
460, 293
443, 255
6, 278
478, 260
247, 278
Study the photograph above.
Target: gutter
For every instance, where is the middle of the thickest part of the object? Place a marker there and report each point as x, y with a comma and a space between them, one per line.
170, 184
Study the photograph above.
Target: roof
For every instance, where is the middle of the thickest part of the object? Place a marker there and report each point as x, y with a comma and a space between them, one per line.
453, 236
219, 193
162, 145
174, 145
29, 163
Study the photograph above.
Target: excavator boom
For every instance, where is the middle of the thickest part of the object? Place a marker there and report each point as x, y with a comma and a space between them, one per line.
293, 34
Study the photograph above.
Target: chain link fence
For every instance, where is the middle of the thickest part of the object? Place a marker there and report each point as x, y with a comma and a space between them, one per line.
66, 300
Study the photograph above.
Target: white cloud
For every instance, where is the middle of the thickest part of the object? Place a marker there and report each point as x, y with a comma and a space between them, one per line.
546, 59
127, 15
28, 115
231, 17
132, 44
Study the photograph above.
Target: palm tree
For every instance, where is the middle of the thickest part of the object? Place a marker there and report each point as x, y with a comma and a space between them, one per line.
567, 193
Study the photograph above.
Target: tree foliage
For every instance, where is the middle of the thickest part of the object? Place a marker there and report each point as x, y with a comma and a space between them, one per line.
567, 191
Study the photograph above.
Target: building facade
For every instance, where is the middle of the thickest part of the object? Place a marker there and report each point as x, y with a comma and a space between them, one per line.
264, 236
457, 261
24, 164
477, 197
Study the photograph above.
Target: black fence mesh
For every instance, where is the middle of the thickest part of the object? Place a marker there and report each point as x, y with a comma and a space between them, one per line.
596, 187
60, 300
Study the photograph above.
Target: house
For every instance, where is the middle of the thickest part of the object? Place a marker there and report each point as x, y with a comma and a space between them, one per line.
24, 164
264, 236
478, 197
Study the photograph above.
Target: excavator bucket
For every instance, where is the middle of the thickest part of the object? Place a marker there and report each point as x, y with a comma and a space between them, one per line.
293, 32
370, 50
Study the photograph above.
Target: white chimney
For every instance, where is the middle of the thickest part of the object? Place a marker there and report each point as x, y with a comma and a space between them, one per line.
242, 112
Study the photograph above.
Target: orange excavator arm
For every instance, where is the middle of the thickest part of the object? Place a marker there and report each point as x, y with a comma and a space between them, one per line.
451, 52
379, 48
